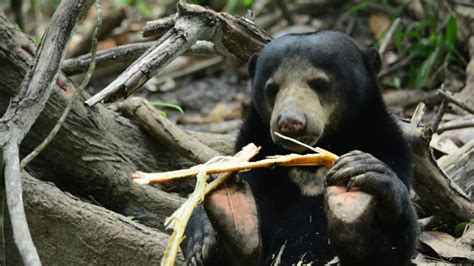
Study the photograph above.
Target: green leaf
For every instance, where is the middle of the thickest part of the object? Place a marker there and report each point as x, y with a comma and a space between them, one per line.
122, 3
248, 3
358, 7
451, 31
397, 82
421, 50
158, 104
163, 114
459, 228
426, 69
145, 10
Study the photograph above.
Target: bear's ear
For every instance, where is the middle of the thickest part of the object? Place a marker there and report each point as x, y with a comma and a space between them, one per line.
252, 64
374, 59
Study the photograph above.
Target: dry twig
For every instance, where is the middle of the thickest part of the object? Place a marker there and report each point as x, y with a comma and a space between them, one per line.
126, 54
450, 98
274, 161
464, 122
388, 36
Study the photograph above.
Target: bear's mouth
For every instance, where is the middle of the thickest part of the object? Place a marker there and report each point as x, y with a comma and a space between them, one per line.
294, 147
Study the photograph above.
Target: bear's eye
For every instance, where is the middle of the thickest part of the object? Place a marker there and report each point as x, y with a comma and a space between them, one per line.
271, 89
319, 85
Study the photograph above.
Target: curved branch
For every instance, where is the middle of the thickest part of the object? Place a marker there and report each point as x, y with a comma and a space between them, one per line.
25, 108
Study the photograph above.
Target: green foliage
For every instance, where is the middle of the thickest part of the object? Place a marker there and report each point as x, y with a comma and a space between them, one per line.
132, 218
141, 5
231, 6
435, 49
238, 4
158, 104
432, 41
459, 229
397, 82
366, 4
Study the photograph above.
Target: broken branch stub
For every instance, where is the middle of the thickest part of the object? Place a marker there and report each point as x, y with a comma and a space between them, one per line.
233, 37
165, 131
187, 30
158, 26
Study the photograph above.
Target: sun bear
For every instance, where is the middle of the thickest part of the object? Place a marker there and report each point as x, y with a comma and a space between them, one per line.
321, 89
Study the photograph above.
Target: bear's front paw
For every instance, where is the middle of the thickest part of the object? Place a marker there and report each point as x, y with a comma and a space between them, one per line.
200, 243
361, 171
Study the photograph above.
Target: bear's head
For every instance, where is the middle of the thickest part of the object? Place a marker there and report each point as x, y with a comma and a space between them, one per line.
306, 86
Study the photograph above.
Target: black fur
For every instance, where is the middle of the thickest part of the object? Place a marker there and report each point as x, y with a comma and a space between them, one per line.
298, 222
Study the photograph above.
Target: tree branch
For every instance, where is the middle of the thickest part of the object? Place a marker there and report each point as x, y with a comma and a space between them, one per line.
187, 30
24, 109
14, 190
438, 193
232, 36
464, 122
76, 95
96, 150
126, 54
450, 98
165, 131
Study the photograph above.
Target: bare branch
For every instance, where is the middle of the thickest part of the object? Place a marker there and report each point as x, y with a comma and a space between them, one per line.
25, 108
174, 43
396, 66
14, 190
96, 150
439, 115
120, 54
232, 36
457, 124
438, 193
165, 131
407, 98
126, 54
450, 98
74, 98
388, 36
418, 114
159, 26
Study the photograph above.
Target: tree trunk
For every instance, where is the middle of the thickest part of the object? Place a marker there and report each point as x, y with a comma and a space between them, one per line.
68, 231
96, 151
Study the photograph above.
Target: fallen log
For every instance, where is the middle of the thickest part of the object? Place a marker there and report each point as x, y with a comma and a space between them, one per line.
69, 231
96, 150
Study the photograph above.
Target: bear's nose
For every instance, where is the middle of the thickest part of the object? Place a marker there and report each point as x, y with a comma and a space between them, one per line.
291, 123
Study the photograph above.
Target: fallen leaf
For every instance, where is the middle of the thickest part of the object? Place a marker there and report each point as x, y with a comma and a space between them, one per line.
379, 24
446, 245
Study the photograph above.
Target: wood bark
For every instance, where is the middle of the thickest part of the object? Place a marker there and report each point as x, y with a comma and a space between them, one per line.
69, 231
25, 107
235, 37
96, 150
459, 166
438, 193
